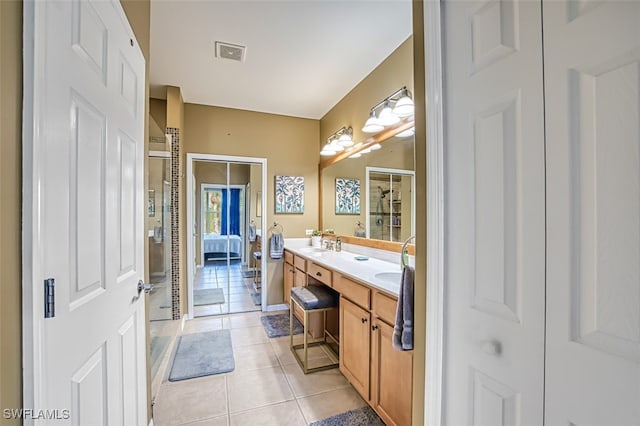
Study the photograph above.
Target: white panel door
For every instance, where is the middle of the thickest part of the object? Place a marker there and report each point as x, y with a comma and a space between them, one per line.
86, 92
494, 213
592, 98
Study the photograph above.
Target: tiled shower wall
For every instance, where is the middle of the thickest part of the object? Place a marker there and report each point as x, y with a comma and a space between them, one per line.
175, 222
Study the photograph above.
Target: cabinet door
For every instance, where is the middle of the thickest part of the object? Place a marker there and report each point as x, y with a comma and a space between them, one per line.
289, 272
355, 345
391, 377
299, 278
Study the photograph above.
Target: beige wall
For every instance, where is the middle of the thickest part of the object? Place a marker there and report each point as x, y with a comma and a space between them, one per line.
290, 146
353, 110
10, 213
158, 110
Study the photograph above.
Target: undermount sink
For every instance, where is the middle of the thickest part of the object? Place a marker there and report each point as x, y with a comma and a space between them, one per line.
390, 277
313, 250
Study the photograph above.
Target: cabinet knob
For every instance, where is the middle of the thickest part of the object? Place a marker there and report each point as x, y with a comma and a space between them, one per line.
374, 327
363, 320
319, 274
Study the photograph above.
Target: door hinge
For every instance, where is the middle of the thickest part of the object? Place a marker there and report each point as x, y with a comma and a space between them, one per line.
49, 298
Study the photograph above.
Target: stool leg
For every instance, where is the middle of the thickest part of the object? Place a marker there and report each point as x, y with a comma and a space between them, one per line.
291, 323
306, 359
324, 326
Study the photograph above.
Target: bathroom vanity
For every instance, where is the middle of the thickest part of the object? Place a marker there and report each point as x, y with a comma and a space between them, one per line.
363, 330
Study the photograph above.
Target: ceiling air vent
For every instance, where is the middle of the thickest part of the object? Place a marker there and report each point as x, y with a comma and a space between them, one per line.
235, 52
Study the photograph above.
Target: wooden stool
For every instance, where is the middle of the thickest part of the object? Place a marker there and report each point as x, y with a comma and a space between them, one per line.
312, 298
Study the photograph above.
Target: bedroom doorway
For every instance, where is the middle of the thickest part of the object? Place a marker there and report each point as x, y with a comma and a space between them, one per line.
224, 196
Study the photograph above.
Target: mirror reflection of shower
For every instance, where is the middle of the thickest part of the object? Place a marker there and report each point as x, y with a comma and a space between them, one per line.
386, 204
380, 206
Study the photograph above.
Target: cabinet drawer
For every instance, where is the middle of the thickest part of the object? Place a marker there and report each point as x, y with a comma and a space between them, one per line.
319, 273
288, 257
353, 291
300, 262
384, 307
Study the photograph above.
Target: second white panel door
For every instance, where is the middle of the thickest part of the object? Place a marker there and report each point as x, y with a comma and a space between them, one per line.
494, 209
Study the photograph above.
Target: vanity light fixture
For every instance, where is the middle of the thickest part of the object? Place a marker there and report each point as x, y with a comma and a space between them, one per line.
338, 141
343, 137
393, 108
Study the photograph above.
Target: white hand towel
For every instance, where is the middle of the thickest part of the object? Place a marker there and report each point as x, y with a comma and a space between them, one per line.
276, 245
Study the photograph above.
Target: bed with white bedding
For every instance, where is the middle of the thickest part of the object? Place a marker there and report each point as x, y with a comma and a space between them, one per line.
215, 246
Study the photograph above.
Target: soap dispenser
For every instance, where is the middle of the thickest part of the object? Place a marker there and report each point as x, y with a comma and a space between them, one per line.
338, 244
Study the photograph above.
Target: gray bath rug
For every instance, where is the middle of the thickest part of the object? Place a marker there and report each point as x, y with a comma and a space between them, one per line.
208, 296
278, 325
202, 354
257, 298
363, 416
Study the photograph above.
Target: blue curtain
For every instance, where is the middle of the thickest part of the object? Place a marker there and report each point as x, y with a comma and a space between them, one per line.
233, 221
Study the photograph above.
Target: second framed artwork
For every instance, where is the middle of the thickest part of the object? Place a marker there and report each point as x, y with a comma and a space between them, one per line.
347, 196
289, 197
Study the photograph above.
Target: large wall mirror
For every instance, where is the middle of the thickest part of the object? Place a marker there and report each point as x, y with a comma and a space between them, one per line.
351, 198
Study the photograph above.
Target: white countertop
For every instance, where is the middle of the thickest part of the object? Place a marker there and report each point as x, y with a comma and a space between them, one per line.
345, 263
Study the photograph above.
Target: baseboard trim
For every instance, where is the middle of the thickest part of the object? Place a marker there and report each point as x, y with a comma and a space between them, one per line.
183, 322
280, 307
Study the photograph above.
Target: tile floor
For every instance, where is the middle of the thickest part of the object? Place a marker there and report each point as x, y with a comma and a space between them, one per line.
267, 386
237, 290
215, 274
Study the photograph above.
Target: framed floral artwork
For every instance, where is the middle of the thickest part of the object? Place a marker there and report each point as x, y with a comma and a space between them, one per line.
289, 194
347, 196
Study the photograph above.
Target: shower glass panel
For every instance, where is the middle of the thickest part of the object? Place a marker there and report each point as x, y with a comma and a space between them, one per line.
158, 225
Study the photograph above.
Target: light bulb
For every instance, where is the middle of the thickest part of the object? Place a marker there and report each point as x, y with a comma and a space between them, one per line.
404, 106
386, 116
356, 155
375, 147
406, 133
345, 140
335, 145
372, 125
327, 150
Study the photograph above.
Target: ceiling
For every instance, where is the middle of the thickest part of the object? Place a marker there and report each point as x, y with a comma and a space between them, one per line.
301, 58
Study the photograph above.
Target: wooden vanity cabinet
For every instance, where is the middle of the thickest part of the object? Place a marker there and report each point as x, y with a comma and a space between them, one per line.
295, 275
391, 371
355, 345
289, 273
381, 374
